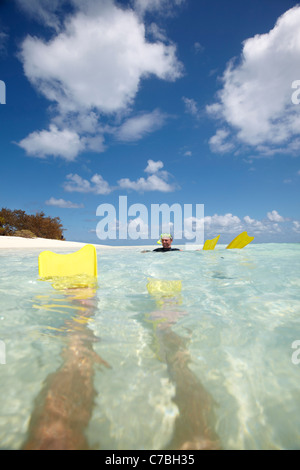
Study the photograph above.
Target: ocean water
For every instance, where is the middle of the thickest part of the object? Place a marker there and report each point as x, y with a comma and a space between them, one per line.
160, 362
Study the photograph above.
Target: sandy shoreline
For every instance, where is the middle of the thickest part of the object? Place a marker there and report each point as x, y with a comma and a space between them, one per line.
11, 243
44, 243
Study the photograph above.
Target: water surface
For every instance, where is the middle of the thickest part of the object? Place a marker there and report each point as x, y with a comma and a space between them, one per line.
236, 319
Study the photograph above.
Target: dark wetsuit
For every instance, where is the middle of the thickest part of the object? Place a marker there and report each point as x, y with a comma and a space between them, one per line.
166, 249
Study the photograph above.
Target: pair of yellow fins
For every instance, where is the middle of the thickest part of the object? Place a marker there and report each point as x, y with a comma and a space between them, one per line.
239, 242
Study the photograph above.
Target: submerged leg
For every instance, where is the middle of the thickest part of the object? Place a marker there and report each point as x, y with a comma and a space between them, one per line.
64, 406
194, 426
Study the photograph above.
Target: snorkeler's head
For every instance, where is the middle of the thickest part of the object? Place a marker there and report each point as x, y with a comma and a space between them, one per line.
166, 240
166, 236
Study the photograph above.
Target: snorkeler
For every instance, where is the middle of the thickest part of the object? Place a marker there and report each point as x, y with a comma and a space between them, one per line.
166, 240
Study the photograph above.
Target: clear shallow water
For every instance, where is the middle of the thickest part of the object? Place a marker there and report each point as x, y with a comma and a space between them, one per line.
237, 317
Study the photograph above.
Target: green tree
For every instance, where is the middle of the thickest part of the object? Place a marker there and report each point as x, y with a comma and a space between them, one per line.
2, 222
39, 224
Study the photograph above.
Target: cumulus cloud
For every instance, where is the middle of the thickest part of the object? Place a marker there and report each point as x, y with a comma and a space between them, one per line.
230, 224
296, 226
152, 183
255, 101
256, 225
275, 217
154, 167
96, 185
63, 204
97, 61
227, 222
156, 181
93, 66
64, 143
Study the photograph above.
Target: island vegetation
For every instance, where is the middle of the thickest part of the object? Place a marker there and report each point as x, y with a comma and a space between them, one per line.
19, 224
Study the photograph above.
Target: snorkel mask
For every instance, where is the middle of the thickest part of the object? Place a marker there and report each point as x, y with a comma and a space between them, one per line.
164, 235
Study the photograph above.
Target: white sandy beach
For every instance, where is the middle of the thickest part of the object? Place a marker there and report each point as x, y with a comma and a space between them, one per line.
7, 242
44, 243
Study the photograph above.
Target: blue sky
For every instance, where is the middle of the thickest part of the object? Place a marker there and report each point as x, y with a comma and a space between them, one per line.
162, 101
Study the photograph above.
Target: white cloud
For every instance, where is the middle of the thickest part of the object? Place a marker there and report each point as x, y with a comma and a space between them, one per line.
96, 185
154, 167
218, 142
296, 226
227, 221
157, 6
156, 32
256, 225
230, 225
82, 122
94, 143
275, 217
63, 204
266, 229
66, 143
157, 181
152, 183
93, 66
255, 100
191, 106
97, 61
44, 11
137, 127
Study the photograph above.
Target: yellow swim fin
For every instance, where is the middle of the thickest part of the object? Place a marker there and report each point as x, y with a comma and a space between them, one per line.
157, 286
210, 244
240, 241
82, 262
